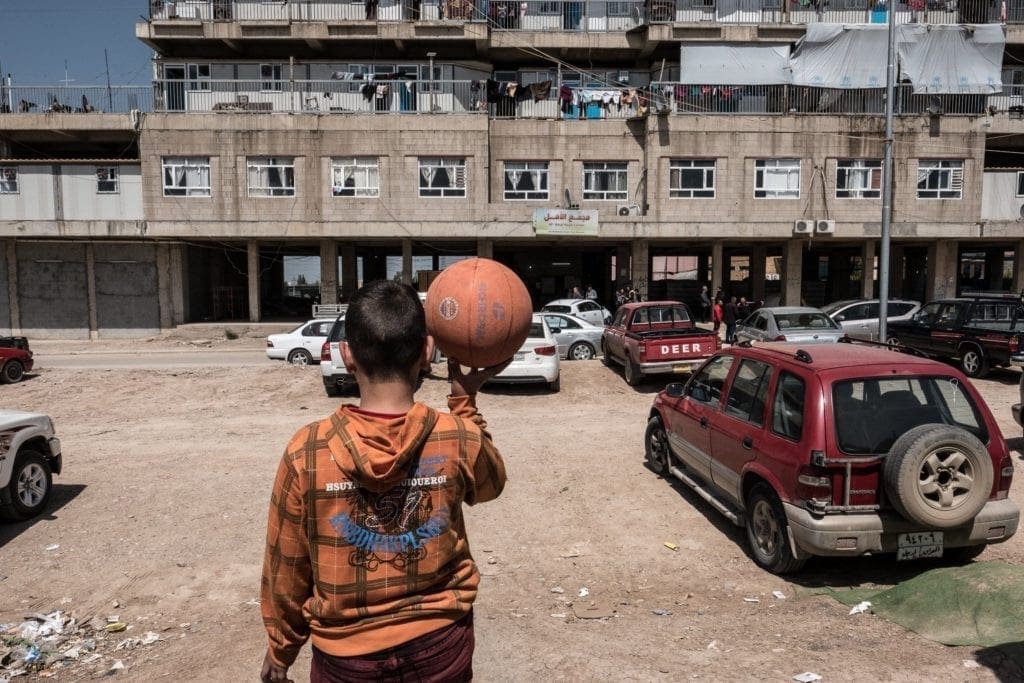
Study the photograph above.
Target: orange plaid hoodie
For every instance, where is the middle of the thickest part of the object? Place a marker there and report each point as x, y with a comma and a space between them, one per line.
366, 545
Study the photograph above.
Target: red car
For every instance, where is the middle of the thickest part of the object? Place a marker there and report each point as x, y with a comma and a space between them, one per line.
15, 359
838, 449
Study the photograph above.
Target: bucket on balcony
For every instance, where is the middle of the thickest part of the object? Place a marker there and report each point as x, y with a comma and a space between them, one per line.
879, 14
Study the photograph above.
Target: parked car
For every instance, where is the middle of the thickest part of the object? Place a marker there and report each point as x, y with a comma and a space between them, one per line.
536, 360
838, 449
15, 359
859, 317
586, 309
1018, 361
302, 345
577, 339
789, 324
335, 375
29, 457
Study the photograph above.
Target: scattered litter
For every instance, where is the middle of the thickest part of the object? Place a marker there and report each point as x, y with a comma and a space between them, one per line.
807, 677
116, 604
713, 645
128, 644
116, 666
661, 612
670, 545
751, 599
113, 619
558, 589
778, 595
492, 560
115, 627
970, 664
252, 602
53, 547
180, 564
92, 658
861, 607
558, 615
584, 592
593, 610
148, 638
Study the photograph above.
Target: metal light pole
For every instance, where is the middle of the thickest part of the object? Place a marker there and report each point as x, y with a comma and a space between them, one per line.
883, 252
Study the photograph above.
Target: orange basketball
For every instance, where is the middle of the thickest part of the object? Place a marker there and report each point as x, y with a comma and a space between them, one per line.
479, 312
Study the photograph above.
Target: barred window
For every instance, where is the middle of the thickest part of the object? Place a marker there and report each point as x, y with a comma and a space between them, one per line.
940, 179
690, 178
526, 180
442, 177
355, 177
8, 180
858, 178
107, 179
271, 177
605, 180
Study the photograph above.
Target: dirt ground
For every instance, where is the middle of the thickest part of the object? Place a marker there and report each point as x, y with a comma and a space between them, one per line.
160, 517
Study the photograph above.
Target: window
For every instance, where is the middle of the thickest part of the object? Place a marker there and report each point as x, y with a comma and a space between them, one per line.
619, 9
604, 180
270, 74
707, 385
1020, 183
319, 329
198, 76
107, 180
526, 180
271, 177
940, 178
691, 178
777, 178
442, 177
748, 391
858, 178
557, 323
788, 407
8, 180
355, 177
186, 176
865, 311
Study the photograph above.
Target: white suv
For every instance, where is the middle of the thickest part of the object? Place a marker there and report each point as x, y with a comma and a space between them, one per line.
29, 457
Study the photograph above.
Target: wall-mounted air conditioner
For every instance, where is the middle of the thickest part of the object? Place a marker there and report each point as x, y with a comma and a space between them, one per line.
825, 227
628, 209
803, 227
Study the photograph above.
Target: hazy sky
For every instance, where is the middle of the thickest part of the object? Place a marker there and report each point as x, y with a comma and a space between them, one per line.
37, 37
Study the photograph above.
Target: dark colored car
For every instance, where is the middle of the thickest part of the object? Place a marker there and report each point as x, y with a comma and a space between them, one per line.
838, 449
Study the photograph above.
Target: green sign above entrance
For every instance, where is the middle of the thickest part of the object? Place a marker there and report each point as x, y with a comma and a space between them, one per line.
565, 222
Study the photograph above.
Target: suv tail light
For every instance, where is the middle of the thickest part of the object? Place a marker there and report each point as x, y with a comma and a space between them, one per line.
1005, 478
641, 349
545, 350
270, 344
814, 483
325, 353
1014, 343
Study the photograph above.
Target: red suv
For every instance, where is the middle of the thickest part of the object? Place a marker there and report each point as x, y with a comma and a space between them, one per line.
842, 449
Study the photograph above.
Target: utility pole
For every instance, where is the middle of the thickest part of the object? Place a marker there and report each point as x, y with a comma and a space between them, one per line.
110, 97
883, 252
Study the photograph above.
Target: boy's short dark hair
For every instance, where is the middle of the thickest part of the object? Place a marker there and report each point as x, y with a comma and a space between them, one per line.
385, 328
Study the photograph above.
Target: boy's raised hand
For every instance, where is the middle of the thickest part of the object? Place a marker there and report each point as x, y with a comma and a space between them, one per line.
468, 383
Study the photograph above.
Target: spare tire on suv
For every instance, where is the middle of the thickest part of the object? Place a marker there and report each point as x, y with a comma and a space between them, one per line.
938, 476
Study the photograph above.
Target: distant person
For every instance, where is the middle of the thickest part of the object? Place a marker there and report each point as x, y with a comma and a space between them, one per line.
729, 314
633, 294
591, 293
620, 297
716, 315
705, 304
575, 293
742, 309
366, 548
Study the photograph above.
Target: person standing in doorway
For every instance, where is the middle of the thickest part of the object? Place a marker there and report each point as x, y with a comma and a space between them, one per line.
591, 293
705, 304
716, 315
729, 318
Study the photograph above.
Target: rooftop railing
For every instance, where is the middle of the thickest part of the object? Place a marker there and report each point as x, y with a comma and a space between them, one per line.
117, 99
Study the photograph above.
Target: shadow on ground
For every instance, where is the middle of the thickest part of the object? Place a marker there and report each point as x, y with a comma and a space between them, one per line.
61, 495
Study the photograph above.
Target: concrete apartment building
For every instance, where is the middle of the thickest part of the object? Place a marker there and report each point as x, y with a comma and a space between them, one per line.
666, 143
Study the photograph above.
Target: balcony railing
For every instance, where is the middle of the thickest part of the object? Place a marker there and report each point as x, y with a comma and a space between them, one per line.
118, 99
593, 15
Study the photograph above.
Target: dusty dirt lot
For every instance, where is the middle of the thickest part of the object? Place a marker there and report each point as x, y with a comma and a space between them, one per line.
161, 510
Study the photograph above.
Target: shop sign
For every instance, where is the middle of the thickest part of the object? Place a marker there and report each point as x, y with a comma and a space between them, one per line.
565, 222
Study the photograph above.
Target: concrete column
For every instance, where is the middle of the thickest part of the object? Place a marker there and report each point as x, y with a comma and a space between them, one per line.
942, 263
407, 262
758, 265
640, 266
253, 274
792, 266
867, 271
328, 272
349, 271
163, 286
90, 289
1018, 270
179, 302
897, 267
12, 286
717, 266
485, 248
622, 255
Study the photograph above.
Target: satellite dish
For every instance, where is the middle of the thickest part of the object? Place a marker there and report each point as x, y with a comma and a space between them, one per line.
934, 105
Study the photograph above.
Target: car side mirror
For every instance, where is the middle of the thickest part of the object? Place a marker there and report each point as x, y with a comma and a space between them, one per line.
839, 318
674, 390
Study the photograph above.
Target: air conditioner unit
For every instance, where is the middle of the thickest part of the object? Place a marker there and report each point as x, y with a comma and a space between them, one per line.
803, 227
628, 209
825, 227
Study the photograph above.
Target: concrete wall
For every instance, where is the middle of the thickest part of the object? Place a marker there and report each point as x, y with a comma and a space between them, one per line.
53, 290
999, 198
82, 201
34, 199
127, 290
5, 299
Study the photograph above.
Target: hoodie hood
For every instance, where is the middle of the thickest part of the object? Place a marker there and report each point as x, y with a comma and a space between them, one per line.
376, 452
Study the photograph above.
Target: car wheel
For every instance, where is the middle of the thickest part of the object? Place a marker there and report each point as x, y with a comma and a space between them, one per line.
29, 489
581, 351
333, 390
556, 386
632, 372
973, 362
893, 340
606, 357
938, 476
656, 446
299, 357
767, 533
13, 371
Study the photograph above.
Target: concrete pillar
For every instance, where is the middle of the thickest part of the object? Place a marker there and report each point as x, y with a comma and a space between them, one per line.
90, 290
622, 255
792, 266
349, 271
867, 271
328, 272
163, 286
1018, 270
640, 266
407, 262
897, 269
485, 248
179, 302
758, 265
942, 262
717, 267
12, 287
253, 275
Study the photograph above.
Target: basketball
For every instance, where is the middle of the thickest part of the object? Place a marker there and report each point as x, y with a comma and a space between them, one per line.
479, 312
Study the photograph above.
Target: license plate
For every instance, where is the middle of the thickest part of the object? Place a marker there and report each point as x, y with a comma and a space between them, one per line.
520, 355
919, 545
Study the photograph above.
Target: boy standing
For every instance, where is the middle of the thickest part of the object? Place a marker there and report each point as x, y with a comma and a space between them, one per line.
366, 545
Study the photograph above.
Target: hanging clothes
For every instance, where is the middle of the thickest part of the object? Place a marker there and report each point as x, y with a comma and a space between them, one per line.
540, 91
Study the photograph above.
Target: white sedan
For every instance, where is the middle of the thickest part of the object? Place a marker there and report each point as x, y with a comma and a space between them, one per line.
585, 309
302, 345
536, 360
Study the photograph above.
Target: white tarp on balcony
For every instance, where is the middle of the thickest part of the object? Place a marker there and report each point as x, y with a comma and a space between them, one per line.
728, 64
841, 56
952, 59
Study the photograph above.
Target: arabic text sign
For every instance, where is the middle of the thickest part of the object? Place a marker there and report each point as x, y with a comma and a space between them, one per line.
565, 222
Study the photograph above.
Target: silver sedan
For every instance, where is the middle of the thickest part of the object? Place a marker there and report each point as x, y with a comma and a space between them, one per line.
800, 324
577, 339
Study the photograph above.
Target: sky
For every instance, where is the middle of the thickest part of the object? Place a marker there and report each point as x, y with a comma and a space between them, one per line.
38, 37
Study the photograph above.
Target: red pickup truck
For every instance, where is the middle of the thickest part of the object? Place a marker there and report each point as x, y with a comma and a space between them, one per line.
656, 337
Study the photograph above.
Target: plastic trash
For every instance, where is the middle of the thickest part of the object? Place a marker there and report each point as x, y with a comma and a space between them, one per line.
584, 592
558, 589
778, 595
860, 607
751, 599
32, 655
53, 546
661, 612
807, 677
670, 546
148, 638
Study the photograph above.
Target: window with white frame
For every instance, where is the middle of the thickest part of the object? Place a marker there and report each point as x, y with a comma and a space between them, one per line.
107, 179
858, 178
940, 178
777, 178
691, 178
526, 180
8, 180
271, 176
199, 77
186, 176
442, 177
606, 180
270, 75
355, 177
